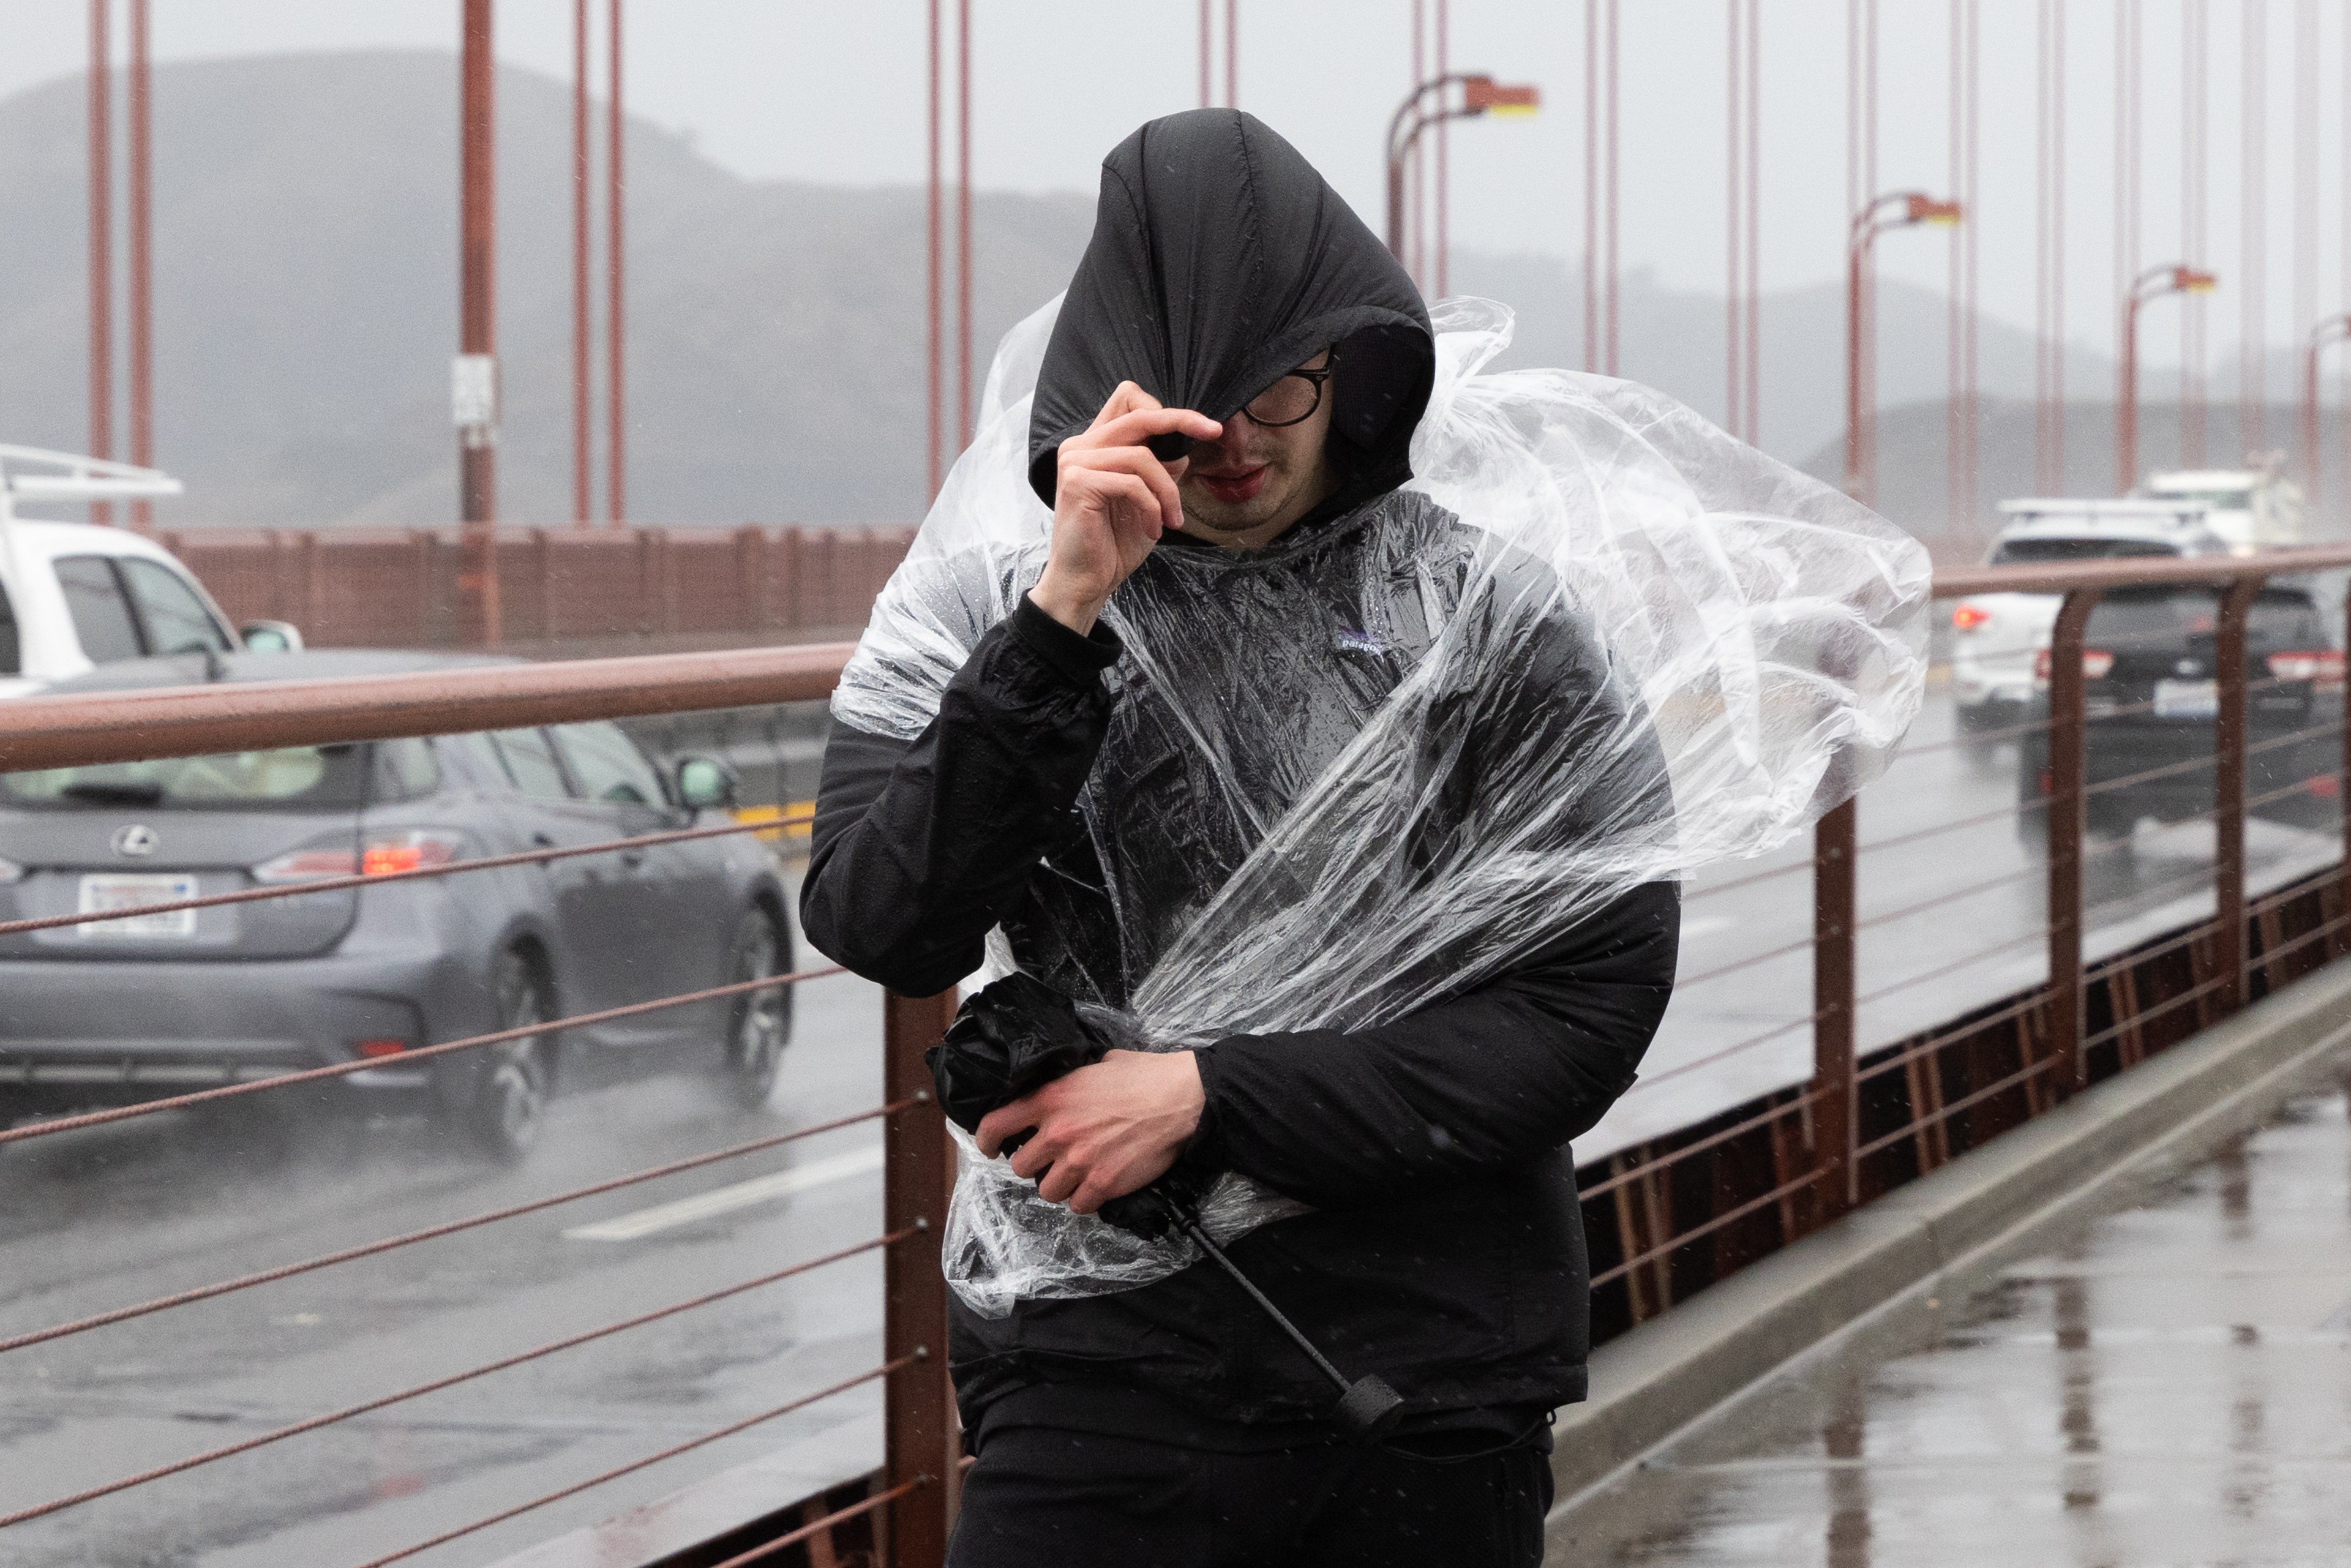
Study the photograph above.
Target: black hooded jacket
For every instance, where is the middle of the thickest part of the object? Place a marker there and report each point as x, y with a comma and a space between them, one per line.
1060, 796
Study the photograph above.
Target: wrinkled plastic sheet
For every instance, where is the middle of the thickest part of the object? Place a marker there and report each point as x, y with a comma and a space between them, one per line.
1745, 648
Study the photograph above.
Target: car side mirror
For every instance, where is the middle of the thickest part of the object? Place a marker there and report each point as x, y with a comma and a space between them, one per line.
707, 784
271, 637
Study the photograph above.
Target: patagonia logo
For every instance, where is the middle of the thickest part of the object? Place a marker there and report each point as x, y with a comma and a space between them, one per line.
1347, 640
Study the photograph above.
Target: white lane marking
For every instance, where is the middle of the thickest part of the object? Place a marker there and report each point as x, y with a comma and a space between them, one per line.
726, 1199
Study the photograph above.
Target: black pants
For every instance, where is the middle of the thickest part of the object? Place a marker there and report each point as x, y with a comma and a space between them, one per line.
1046, 1497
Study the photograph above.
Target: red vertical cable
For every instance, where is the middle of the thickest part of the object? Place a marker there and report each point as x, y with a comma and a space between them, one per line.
1956, 514
2252, 219
2305, 187
101, 247
1852, 108
1971, 239
1232, 54
478, 324
1416, 261
1869, 275
583, 483
1204, 53
2195, 93
1444, 157
1734, 164
1615, 253
1591, 185
1754, 221
936, 298
616, 487
962, 224
143, 291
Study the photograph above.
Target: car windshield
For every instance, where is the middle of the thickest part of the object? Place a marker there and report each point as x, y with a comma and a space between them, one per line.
2043, 553
2282, 619
293, 778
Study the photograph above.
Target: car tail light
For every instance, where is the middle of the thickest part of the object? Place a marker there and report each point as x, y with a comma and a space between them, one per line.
2096, 664
379, 1047
1968, 617
2325, 786
314, 864
382, 854
2323, 667
412, 850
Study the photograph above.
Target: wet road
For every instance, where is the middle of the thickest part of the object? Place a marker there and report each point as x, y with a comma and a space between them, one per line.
2170, 1386
118, 1215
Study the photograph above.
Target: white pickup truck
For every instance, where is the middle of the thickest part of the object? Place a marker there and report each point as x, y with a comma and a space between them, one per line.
76, 595
1997, 636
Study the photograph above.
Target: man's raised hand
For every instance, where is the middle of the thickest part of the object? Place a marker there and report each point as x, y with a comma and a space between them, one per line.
1111, 500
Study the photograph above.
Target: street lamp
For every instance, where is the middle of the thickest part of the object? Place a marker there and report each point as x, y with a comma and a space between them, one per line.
1895, 210
1480, 95
2333, 330
2175, 277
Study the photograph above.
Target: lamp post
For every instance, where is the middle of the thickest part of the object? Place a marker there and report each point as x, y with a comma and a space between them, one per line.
2176, 277
1895, 210
1480, 95
2333, 330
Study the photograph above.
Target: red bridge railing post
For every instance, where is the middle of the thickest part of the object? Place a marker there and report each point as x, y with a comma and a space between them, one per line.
1834, 848
2067, 792
918, 1173
2229, 793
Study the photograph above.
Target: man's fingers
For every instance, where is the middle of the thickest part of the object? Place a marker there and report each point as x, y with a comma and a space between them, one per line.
1136, 463
1063, 1180
1006, 1121
1136, 426
1127, 399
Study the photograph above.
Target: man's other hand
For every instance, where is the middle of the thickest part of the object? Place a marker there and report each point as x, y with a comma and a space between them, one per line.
1111, 500
1104, 1131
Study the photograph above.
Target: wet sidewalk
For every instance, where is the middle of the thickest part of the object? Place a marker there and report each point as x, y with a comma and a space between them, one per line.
2171, 1386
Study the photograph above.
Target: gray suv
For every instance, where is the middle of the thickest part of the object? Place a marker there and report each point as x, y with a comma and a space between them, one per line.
116, 1012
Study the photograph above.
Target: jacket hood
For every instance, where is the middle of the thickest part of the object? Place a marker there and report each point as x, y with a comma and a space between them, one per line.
1219, 260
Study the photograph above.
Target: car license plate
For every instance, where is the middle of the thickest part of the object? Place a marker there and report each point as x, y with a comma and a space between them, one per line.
2187, 699
103, 893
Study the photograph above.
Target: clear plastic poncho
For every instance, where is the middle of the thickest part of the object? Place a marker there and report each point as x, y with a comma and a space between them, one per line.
1609, 645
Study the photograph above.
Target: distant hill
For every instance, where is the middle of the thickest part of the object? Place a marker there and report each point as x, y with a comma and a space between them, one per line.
306, 301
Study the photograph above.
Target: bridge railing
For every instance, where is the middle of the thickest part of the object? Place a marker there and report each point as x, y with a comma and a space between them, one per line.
1664, 1215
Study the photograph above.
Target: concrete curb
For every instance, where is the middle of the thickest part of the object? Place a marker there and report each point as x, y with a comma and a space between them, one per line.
1946, 1234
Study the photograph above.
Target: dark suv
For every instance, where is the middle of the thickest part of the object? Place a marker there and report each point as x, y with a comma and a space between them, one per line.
2151, 699
114, 1012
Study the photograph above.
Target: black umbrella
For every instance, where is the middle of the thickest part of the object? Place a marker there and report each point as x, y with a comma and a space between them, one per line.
1019, 1034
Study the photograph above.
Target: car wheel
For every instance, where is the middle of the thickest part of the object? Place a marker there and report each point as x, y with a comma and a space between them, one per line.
510, 1107
759, 1023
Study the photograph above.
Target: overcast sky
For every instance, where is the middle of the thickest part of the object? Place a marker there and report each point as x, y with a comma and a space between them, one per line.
834, 93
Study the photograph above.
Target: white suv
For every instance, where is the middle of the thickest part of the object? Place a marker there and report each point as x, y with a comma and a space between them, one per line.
1996, 637
76, 595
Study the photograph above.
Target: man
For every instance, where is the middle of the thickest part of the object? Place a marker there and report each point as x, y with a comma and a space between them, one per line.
1105, 801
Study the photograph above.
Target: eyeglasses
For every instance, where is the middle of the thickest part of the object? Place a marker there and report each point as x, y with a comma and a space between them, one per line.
1292, 400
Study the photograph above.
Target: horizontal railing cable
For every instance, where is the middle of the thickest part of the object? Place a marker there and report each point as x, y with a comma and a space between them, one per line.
2033, 1001
1679, 1069
1696, 1232
633, 1465
2030, 1070
868, 1505
1675, 1156
434, 1232
391, 878
422, 1053
366, 1407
